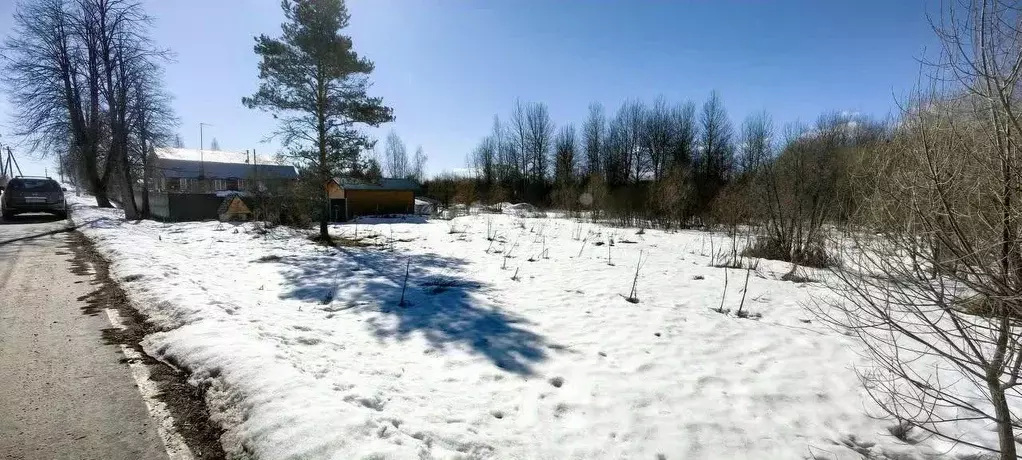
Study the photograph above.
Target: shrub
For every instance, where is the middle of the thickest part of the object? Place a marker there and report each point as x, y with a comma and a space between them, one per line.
810, 255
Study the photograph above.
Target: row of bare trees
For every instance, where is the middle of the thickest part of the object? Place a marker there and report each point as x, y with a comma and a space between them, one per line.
526, 158
672, 165
84, 79
396, 163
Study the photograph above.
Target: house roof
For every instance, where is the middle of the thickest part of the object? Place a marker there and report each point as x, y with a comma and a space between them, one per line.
349, 183
215, 170
214, 156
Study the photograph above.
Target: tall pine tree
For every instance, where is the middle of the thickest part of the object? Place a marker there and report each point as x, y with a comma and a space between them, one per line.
316, 85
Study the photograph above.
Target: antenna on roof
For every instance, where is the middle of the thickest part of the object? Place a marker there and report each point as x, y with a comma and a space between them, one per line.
246, 155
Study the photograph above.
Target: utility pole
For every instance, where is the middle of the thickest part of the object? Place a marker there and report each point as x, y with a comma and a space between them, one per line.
7, 167
202, 162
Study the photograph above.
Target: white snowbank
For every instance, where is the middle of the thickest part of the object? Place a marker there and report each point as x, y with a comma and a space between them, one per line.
306, 353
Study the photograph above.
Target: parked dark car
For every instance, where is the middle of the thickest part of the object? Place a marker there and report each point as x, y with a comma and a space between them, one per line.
33, 194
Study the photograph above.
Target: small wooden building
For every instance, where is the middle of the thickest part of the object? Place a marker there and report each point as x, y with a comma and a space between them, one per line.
350, 198
234, 209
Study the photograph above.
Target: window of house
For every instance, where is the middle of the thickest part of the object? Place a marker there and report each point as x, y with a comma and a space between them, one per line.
232, 184
219, 184
177, 185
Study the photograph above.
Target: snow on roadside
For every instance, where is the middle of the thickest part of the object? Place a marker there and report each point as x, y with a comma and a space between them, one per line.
305, 353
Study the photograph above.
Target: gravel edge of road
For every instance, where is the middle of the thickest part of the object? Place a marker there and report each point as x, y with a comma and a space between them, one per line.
186, 403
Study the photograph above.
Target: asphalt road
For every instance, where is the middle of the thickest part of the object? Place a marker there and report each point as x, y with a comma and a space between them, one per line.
65, 393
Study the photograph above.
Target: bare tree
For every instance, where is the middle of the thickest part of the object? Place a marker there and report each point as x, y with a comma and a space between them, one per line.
518, 142
55, 87
565, 158
629, 124
934, 296
539, 140
684, 131
594, 131
503, 156
716, 159
657, 137
716, 140
73, 68
152, 122
754, 147
395, 156
419, 165
614, 154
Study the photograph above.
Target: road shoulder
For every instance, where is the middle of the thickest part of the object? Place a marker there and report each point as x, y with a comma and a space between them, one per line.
183, 402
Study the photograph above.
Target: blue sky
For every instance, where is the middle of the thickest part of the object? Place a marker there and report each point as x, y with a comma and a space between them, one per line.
447, 66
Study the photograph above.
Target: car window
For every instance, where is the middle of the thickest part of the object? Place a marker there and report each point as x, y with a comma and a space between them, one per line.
33, 185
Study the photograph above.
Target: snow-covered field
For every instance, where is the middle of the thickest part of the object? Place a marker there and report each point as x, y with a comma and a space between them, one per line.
306, 352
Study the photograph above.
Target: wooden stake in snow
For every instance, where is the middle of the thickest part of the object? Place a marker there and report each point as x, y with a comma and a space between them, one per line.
405, 285
633, 297
515, 278
583, 246
723, 293
609, 262
507, 255
745, 290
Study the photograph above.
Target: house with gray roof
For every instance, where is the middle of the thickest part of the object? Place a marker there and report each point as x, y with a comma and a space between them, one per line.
188, 184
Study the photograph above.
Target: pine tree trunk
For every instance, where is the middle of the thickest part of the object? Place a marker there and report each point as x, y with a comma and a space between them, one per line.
324, 170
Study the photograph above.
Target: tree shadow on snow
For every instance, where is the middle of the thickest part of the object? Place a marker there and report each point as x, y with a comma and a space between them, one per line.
444, 306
